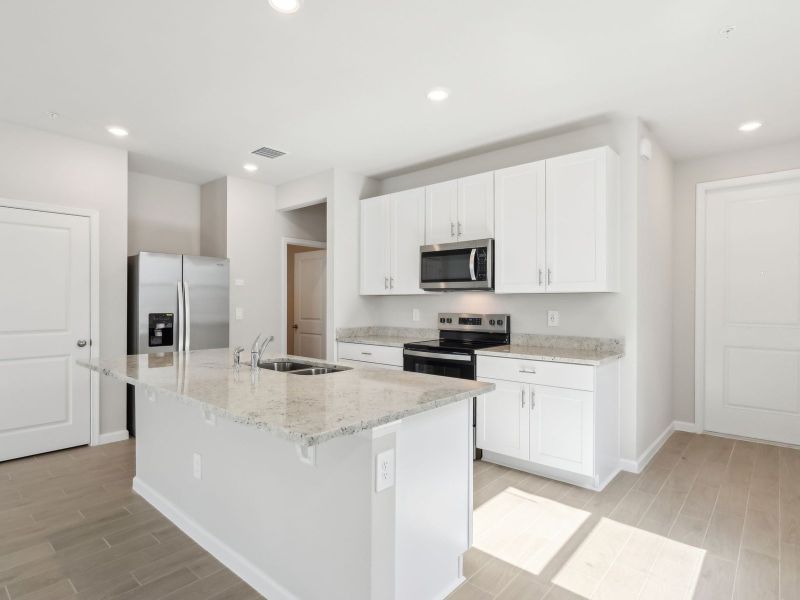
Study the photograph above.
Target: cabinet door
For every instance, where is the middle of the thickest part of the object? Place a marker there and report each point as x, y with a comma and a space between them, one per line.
475, 207
577, 220
407, 235
441, 205
519, 209
375, 246
562, 429
502, 419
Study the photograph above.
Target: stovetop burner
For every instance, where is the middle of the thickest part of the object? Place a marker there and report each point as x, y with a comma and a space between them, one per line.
466, 332
447, 344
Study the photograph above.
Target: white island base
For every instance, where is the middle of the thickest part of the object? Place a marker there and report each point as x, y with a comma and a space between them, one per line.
309, 524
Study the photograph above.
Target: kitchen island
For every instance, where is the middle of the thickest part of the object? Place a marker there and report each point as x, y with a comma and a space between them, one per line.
353, 485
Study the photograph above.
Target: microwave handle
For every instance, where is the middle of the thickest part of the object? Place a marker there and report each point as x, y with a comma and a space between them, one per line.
472, 256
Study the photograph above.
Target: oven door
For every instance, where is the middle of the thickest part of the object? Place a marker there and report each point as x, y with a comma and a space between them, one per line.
457, 266
446, 364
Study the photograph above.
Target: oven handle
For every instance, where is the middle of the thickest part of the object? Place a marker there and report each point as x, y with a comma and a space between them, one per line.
472, 256
439, 355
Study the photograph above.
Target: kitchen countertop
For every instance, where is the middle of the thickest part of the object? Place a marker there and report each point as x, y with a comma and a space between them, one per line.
307, 410
382, 340
578, 356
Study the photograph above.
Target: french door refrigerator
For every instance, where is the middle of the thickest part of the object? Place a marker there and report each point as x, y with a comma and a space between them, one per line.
176, 302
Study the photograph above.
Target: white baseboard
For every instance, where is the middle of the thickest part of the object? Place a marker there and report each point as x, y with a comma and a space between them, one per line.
686, 426
250, 573
111, 437
638, 465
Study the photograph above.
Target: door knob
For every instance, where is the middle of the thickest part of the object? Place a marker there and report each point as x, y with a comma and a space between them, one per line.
81, 343
294, 326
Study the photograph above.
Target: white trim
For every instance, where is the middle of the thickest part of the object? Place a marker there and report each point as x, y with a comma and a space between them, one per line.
250, 573
94, 294
285, 242
585, 481
451, 587
638, 465
700, 276
111, 437
686, 426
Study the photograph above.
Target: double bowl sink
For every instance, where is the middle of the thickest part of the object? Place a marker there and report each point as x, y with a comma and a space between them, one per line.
300, 368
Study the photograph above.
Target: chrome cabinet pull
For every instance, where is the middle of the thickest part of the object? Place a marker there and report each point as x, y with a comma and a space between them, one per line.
452, 229
549, 276
540, 277
391, 283
459, 228
533, 397
367, 353
523, 397
531, 370
386, 283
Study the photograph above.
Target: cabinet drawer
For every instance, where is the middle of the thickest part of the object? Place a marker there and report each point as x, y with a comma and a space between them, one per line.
576, 377
385, 355
361, 363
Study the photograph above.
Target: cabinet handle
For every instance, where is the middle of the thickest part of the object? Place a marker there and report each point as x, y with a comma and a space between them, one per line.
386, 283
549, 276
533, 397
532, 370
522, 393
391, 283
452, 229
459, 228
540, 277
367, 353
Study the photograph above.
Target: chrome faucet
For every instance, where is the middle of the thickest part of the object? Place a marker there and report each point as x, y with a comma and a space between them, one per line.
237, 359
256, 351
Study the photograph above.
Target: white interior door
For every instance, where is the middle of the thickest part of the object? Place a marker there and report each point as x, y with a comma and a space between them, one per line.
309, 304
45, 399
752, 310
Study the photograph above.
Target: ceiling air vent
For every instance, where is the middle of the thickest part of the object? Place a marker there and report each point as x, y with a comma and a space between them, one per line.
268, 152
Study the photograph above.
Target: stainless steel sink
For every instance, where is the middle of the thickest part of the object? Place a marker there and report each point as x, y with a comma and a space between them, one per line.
283, 365
320, 370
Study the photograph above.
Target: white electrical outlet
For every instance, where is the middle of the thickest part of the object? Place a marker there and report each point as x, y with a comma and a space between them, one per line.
553, 318
239, 313
238, 282
197, 466
415, 314
384, 470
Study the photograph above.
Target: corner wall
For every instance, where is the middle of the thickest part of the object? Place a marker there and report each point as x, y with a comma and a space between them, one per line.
43, 167
770, 159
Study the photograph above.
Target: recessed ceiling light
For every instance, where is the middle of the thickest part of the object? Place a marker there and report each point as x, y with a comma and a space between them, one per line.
438, 94
117, 131
250, 167
750, 126
285, 6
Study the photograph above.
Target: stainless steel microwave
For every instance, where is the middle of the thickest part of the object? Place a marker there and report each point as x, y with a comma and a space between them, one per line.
458, 266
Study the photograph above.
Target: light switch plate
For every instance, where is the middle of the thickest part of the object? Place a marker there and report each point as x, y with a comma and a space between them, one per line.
384, 470
239, 313
197, 466
415, 314
553, 318
238, 282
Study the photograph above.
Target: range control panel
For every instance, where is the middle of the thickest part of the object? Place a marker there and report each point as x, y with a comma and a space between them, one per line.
473, 322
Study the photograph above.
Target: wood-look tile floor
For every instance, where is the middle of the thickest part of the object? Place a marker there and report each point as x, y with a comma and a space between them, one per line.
71, 527
710, 518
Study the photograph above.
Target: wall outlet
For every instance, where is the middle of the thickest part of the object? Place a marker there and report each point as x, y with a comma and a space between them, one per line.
553, 318
239, 313
197, 466
238, 282
415, 314
384, 470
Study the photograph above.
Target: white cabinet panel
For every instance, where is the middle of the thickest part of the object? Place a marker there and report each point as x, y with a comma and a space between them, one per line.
375, 246
561, 430
475, 219
519, 209
542, 372
582, 221
502, 422
441, 212
407, 235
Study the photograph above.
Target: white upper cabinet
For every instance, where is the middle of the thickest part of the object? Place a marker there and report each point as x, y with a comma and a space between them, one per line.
462, 209
392, 230
441, 212
375, 244
582, 222
407, 224
475, 219
519, 220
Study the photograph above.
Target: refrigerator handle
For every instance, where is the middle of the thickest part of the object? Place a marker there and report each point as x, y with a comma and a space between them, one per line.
180, 316
187, 326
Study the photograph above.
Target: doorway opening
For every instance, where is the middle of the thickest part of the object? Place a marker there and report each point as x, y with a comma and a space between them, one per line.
305, 297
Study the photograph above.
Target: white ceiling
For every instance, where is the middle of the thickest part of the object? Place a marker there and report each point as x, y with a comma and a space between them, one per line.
201, 83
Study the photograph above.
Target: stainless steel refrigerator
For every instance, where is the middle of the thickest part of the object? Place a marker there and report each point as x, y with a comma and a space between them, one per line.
176, 302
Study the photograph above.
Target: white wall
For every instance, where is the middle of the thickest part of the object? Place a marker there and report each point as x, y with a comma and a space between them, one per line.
299, 193
52, 169
603, 315
688, 174
654, 296
163, 215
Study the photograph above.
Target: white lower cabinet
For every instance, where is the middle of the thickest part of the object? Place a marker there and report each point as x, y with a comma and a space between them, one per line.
503, 422
369, 355
560, 432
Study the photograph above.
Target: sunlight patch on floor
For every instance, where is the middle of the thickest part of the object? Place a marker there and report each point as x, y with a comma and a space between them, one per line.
524, 529
620, 561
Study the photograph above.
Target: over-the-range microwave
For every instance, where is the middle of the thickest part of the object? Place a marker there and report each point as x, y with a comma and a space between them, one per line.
457, 266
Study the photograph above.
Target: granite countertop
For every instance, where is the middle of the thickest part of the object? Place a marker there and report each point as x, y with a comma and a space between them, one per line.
578, 356
385, 336
307, 410
381, 340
